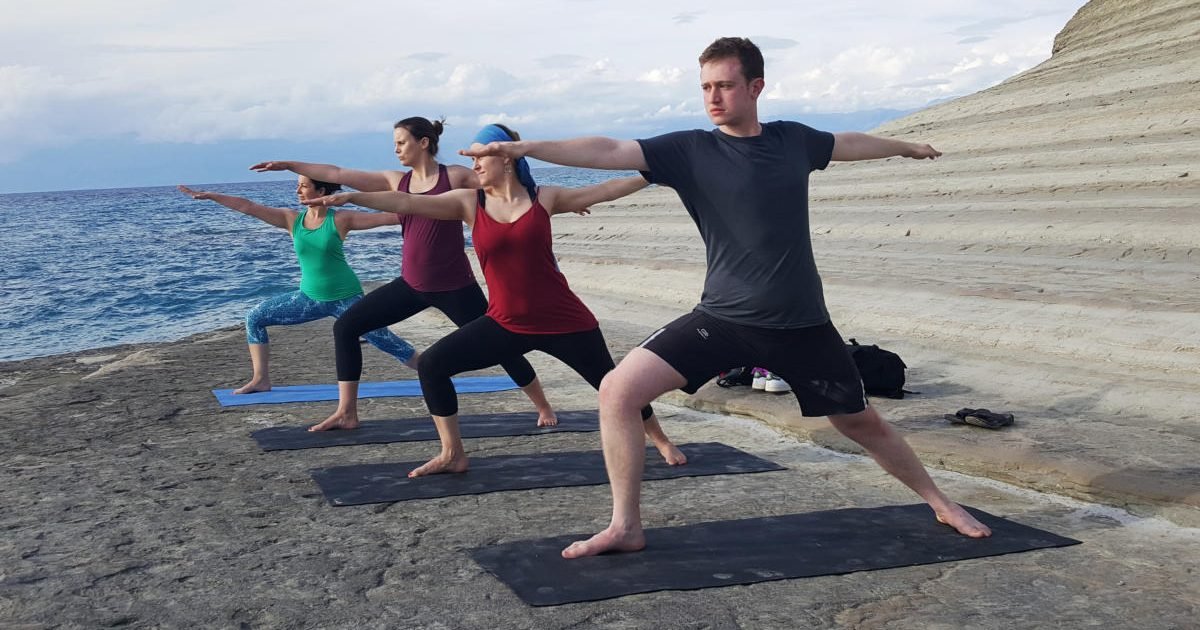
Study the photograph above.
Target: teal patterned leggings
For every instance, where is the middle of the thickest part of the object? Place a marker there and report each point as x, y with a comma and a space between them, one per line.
296, 308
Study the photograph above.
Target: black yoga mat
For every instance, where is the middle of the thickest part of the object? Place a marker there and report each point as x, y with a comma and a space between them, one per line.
386, 483
422, 429
752, 550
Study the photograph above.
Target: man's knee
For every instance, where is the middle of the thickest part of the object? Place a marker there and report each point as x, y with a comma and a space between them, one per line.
616, 389
865, 422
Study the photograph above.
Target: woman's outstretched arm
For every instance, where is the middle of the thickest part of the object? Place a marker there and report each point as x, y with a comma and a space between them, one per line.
358, 180
278, 217
454, 205
558, 200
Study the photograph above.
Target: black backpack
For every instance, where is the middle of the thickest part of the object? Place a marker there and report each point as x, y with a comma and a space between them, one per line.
882, 371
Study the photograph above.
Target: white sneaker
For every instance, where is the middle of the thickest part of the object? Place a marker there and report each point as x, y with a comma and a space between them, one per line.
760, 379
776, 385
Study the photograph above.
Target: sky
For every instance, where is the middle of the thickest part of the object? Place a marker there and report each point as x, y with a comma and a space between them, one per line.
127, 93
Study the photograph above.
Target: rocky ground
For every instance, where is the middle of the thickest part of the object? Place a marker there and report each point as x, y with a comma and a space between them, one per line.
131, 499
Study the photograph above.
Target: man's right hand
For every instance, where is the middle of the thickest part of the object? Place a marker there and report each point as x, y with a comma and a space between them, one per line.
921, 152
263, 167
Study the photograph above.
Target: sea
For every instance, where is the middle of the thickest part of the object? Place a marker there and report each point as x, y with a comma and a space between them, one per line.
87, 269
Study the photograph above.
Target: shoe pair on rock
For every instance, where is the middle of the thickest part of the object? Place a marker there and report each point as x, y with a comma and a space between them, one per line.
768, 382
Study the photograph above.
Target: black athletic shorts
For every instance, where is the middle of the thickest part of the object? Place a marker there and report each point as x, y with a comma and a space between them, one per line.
813, 360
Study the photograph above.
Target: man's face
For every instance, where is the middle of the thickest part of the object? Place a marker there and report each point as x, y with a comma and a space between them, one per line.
728, 98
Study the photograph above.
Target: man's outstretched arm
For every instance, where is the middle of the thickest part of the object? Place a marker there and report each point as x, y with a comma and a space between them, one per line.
592, 152
850, 146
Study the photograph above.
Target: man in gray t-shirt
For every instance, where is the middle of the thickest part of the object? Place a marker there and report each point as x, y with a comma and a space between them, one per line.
749, 197
746, 186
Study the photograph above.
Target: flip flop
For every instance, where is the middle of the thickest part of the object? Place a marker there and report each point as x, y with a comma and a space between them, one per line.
736, 376
981, 418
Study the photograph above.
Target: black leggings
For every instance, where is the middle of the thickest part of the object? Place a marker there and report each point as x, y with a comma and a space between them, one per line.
397, 301
483, 343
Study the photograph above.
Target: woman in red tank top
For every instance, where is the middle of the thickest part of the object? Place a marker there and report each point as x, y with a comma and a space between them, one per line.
434, 268
530, 305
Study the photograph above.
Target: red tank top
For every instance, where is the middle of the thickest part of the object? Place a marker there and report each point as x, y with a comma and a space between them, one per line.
526, 292
432, 258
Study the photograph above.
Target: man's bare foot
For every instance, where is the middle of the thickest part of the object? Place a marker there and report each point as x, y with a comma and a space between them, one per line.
962, 521
442, 464
255, 385
547, 419
607, 540
338, 421
670, 453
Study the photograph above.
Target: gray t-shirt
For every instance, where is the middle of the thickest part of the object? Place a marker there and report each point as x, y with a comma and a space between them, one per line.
749, 197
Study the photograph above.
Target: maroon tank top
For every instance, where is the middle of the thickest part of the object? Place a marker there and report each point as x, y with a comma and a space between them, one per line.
526, 292
432, 258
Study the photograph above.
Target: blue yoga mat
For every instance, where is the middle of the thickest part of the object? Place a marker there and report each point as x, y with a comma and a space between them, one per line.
315, 393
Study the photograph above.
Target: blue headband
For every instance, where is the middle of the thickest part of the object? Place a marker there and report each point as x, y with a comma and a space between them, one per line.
493, 133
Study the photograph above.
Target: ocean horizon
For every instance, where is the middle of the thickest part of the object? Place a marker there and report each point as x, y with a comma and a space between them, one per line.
93, 268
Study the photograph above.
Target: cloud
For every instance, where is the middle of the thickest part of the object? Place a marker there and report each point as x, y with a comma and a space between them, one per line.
773, 43
161, 72
503, 119
989, 26
138, 49
662, 75
922, 83
426, 56
561, 61
686, 17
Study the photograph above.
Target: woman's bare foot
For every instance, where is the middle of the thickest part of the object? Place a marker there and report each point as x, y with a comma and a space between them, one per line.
443, 463
340, 420
962, 521
608, 540
671, 453
547, 419
255, 385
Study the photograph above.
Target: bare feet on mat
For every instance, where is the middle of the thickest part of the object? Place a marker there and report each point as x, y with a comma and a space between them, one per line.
338, 421
962, 521
671, 453
608, 540
442, 464
255, 385
547, 419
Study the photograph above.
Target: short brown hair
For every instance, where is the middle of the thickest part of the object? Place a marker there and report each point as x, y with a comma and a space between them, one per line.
743, 49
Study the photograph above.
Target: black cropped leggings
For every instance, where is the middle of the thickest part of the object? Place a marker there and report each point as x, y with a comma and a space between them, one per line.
483, 343
397, 301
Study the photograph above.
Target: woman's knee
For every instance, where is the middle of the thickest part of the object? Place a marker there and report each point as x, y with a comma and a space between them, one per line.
433, 363
256, 331
345, 328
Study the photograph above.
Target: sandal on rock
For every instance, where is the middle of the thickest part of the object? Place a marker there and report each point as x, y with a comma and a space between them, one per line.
981, 418
735, 377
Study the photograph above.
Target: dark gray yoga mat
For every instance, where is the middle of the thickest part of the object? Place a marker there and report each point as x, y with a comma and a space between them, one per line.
386, 483
752, 550
422, 429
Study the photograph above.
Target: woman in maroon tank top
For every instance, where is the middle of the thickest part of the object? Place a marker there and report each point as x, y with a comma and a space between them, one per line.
530, 305
434, 269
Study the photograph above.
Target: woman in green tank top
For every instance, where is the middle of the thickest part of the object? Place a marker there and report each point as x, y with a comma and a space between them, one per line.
328, 286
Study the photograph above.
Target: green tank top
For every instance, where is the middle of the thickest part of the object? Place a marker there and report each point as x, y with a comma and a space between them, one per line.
324, 274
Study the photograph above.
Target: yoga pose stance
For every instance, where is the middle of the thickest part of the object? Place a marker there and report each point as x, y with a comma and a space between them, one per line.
328, 286
530, 306
434, 270
745, 184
